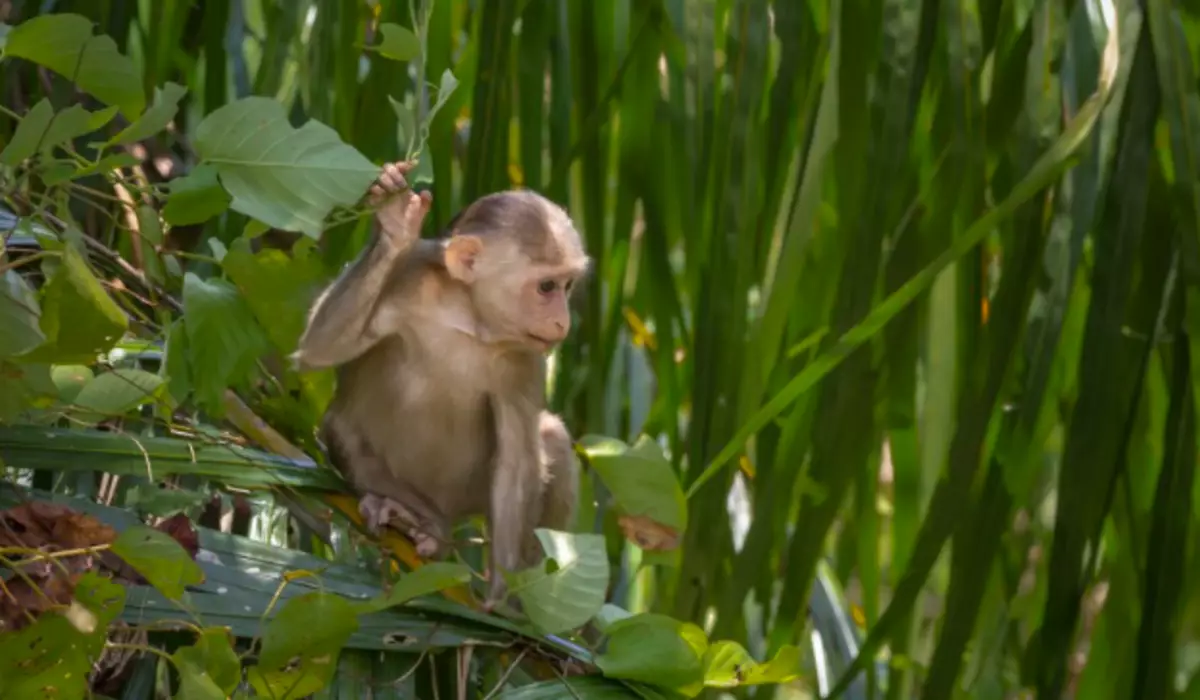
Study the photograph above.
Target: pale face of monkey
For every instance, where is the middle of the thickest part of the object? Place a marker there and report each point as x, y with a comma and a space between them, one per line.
519, 301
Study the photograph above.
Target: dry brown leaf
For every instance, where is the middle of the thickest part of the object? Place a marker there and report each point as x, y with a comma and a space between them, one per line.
648, 534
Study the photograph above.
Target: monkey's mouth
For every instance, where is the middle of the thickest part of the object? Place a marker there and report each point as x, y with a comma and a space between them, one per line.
542, 343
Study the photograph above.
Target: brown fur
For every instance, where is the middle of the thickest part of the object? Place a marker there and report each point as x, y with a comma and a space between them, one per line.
439, 409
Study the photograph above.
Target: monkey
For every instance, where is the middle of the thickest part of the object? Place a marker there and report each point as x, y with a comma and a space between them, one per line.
439, 347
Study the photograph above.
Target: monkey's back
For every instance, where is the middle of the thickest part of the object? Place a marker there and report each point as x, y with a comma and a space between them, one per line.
419, 423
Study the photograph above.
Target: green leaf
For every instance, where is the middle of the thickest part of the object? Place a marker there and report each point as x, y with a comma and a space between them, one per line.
209, 668
285, 177
19, 312
277, 287
73, 122
80, 321
53, 656
70, 380
196, 197
64, 43
398, 43
42, 129
223, 339
155, 119
568, 589
117, 392
728, 665
175, 365
406, 124
430, 578
159, 559
300, 646
640, 478
656, 649
25, 386
29, 133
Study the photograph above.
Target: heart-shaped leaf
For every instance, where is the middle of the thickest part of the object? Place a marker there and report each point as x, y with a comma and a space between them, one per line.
300, 646
645, 488
656, 649
568, 589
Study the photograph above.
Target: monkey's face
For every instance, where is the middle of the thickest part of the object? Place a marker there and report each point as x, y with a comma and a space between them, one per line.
526, 304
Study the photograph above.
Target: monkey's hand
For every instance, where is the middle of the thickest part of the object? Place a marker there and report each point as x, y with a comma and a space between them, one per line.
379, 511
401, 210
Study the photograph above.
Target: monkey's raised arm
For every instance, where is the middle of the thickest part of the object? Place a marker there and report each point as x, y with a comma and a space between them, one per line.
340, 325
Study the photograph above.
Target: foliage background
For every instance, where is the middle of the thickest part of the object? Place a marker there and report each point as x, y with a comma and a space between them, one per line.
904, 289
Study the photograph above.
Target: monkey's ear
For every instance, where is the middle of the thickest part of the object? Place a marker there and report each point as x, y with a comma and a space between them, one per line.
461, 252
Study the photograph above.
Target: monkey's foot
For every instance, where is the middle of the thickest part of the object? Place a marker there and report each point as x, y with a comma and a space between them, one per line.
379, 511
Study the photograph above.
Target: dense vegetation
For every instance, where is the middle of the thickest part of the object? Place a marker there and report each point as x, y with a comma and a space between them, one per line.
890, 296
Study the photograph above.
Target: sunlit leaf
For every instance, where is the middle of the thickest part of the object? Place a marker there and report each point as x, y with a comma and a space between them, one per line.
285, 177
159, 559
301, 644
430, 578
116, 392
64, 43
644, 485
398, 43
566, 594
728, 665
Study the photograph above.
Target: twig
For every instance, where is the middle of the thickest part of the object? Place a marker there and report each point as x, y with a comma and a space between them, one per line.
507, 672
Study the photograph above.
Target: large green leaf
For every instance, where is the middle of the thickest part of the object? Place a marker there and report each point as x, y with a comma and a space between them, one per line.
285, 177
223, 339
301, 645
566, 594
640, 478
64, 43
79, 319
656, 649
113, 393
159, 559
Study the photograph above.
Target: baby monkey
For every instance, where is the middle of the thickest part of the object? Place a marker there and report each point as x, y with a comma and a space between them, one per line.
440, 353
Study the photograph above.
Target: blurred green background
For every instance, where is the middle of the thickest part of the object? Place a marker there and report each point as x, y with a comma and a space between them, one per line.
905, 289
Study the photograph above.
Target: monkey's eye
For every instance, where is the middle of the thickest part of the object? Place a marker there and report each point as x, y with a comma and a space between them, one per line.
547, 286
569, 284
